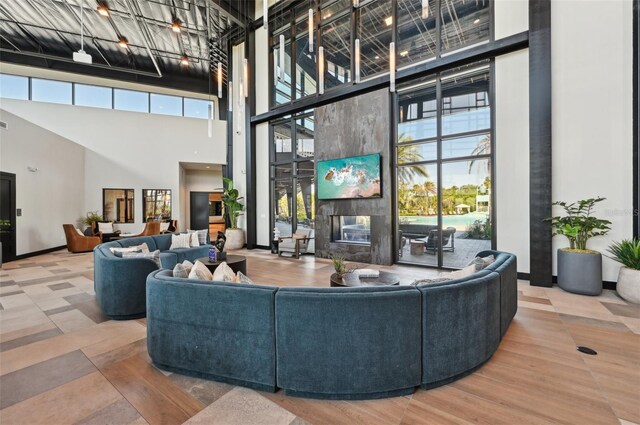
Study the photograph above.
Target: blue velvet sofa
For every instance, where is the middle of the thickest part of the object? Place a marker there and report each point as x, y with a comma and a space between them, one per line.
120, 283
331, 343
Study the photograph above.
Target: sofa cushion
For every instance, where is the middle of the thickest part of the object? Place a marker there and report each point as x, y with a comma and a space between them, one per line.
137, 241
154, 256
482, 262
163, 242
180, 241
168, 260
191, 254
193, 240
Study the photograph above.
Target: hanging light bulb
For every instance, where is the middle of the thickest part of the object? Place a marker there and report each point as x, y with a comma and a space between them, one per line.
245, 76
425, 9
357, 60
265, 14
310, 30
321, 69
210, 120
103, 10
392, 66
219, 72
281, 57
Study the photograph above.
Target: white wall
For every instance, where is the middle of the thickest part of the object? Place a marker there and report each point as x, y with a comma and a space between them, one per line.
49, 197
239, 131
511, 17
129, 150
592, 113
512, 155
199, 181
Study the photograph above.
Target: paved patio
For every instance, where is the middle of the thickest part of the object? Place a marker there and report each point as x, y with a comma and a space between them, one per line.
465, 251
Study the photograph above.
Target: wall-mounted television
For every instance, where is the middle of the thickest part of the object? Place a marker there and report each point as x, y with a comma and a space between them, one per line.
349, 178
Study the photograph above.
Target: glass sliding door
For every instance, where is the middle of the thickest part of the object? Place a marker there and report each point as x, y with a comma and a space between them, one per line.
444, 170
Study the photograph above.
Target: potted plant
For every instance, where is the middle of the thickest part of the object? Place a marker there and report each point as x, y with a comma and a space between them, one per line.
579, 268
232, 209
627, 252
88, 220
339, 265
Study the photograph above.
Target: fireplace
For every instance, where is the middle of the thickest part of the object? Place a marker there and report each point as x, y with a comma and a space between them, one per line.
351, 229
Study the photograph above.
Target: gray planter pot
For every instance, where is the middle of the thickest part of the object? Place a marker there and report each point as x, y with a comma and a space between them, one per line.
628, 285
235, 239
580, 272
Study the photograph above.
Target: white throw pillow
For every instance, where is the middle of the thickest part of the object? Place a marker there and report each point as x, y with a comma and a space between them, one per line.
105, 227
223, 273
243, 278
200, 272
129, 249
462, 273
188, 265
164, 226
193, 239
202, 235
79, 232
143, 247
180, 241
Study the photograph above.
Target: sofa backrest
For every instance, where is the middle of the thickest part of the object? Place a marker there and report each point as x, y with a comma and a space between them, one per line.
163, 242
138, 240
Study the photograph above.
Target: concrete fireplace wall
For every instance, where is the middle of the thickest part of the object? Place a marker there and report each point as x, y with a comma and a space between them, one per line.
352, 127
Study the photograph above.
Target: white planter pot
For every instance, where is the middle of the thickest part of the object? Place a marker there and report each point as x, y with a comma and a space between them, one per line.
235, 239
628, 285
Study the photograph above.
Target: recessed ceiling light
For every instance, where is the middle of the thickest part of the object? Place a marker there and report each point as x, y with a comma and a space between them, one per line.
477, 21
176, 25
184, 60
103, 10
123, 42
404, 53
388, 21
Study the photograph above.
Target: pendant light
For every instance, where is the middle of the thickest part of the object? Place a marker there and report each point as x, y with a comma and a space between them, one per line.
281, 60
265, 14
321, 69
310, 30
357, 53
356, 3
245, 76
392, 66
219, 75
210, 119
425, 9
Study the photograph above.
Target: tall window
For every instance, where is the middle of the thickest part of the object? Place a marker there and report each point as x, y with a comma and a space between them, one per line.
156, 204
293, 173
444, 168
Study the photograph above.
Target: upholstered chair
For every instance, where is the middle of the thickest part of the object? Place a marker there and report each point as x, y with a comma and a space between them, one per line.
151, 228
297, 243
77, 242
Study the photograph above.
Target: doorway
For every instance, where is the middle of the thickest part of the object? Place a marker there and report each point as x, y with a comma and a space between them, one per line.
8, 215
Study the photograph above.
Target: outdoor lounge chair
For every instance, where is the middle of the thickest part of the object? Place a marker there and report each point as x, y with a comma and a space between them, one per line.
448, 244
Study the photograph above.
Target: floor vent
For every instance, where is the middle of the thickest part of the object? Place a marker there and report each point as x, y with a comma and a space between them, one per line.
587, 350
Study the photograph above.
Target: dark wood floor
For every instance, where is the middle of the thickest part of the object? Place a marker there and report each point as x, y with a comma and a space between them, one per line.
63, 362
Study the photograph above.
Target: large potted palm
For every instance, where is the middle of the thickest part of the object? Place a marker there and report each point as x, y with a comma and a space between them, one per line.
627, 252
232, 209
579, 268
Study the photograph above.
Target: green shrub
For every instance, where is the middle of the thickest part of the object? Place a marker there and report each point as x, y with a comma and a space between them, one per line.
626, 252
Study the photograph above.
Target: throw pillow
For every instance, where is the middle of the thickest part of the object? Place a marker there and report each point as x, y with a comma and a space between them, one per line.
79, 232
120, 253
462, 273
223, 273
153, 256
164, 227
193, 239
431, 281
482, 262
180, 241
200, 272
105, 227
188, 265
202, 235
143, 247
129, 249
180, 271
242, 278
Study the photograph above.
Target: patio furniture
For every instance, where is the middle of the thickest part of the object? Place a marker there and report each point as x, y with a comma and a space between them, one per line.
297, 243
448, 240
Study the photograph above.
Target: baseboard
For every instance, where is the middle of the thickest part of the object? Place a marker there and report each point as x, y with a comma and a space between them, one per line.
34, 254
606, 284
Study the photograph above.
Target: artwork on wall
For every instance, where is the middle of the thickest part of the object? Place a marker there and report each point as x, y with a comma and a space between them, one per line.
348, 178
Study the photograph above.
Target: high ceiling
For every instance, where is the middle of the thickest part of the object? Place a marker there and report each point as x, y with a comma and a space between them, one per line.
47, 32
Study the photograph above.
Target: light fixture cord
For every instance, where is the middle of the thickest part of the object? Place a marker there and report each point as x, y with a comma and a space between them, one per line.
82, 25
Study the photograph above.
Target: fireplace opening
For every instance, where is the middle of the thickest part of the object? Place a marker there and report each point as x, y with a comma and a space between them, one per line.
353, 229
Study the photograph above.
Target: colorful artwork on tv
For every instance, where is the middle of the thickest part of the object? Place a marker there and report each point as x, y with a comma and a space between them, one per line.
348, 178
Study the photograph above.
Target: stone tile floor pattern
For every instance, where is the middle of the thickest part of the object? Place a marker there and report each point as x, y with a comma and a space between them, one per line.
63, 362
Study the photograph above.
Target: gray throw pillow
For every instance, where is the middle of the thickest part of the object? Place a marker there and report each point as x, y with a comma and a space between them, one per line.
180, 271
421, 282
155, 256
120, 253
482, 262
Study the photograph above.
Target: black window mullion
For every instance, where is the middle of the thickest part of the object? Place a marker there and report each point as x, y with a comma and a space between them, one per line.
439, 166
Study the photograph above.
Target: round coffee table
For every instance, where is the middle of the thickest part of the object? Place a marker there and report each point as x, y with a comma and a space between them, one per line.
384, 279
238, 263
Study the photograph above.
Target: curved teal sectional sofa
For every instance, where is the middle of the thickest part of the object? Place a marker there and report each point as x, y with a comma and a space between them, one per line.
120, 283
331, 343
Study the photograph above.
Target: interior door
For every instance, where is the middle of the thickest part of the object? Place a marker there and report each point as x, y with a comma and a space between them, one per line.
199, 210
8, 215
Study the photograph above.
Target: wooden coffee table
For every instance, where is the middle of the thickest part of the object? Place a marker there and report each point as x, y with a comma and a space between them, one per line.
238, 263
384, 279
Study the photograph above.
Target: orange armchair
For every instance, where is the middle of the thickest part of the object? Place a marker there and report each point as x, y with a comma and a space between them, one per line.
79, 243
151, 228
